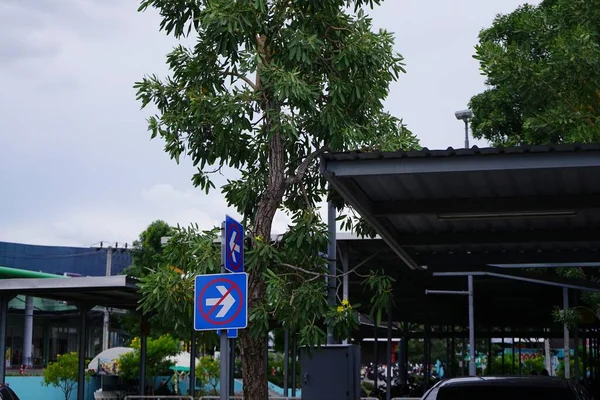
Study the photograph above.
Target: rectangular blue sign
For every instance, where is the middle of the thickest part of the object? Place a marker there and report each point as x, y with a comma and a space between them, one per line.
234, 245
221, 301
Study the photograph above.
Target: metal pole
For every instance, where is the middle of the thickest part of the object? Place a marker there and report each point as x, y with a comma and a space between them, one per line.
3, 323
567, 358
388, 357
28, 332
472, 367
376, 377
232, 367
193, 351
81, 354
294, 361
143, 351
286, 360
345, 284
331, 248
106, 323
466, 133
223, 358
577, 372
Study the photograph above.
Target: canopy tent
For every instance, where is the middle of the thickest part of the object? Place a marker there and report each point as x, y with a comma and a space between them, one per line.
181, 362
105, 362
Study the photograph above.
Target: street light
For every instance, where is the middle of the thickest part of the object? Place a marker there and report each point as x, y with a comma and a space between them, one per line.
465, 115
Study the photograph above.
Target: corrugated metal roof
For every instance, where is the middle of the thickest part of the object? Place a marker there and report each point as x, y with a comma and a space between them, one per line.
452, 152
414, 200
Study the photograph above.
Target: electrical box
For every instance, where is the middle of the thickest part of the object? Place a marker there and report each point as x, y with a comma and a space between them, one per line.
330, 372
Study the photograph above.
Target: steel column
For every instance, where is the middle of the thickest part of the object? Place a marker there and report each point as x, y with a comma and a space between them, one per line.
81, 353
472, 365
567, 357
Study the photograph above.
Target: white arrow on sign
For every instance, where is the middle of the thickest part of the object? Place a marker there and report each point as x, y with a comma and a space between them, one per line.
235, 248
225, 304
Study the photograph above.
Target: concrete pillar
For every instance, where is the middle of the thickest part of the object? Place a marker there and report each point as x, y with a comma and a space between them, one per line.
28, 332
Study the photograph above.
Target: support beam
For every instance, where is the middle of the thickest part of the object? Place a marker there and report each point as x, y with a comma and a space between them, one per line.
487, 237
360, 202
474, 257
3, 327
81, 352
388, 357
472, 365
28, 333
286, 361
485, 205
193, 351
143, 350
374, 165
567, 357
331, 255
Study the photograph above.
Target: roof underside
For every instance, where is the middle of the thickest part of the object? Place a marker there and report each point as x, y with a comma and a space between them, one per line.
111, 291
462, 210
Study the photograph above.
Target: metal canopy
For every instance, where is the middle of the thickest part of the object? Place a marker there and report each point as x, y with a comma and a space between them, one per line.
117, 291
454, 208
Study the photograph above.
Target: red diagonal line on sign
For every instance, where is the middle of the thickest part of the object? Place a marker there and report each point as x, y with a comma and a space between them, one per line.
220, 301
232, 249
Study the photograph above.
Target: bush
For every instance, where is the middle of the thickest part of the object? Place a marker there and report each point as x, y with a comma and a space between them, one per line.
63, 373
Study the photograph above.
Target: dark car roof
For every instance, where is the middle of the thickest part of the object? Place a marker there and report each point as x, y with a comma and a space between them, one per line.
545, 381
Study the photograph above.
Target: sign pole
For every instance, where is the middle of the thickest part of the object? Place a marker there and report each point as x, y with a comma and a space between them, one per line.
224, 376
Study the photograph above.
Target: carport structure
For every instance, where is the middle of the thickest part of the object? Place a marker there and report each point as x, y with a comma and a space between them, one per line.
478, 211
117, 291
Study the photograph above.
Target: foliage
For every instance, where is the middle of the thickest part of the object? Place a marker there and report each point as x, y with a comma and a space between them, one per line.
63, 373
276, 370
147, 254
147, 251
343, 319
208, 371
157, 352
267, 87
542, 65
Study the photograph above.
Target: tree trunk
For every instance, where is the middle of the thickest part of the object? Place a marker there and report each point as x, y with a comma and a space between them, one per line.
253, 349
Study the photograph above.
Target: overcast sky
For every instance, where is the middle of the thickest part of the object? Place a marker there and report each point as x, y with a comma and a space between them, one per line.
76, 162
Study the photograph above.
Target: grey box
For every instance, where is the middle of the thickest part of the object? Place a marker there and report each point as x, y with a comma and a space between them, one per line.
331, 372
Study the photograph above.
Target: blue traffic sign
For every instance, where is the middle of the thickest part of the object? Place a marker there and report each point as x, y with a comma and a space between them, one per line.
221, 301
234, 245
231, 333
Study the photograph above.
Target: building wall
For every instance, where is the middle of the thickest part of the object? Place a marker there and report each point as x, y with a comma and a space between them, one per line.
30, 388
86, 261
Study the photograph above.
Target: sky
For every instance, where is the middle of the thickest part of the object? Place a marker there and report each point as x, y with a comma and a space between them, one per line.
77, 165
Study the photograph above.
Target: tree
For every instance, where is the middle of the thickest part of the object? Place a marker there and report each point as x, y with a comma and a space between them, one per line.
208, 370
147, 254
267, 87
63, 373
542, 68
147, 250
158, 352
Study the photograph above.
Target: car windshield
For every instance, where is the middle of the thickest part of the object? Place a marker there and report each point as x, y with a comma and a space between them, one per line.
497, 392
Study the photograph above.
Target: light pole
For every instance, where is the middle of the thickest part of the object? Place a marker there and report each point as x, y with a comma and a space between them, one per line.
465, 115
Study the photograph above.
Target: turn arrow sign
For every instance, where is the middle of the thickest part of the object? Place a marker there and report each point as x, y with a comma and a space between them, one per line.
226, 301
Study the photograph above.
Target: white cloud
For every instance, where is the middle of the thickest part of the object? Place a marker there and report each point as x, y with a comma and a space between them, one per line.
113, 223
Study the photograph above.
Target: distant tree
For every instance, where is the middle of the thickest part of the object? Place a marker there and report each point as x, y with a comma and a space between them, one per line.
63, 373
157, 352
542, 68
147, 251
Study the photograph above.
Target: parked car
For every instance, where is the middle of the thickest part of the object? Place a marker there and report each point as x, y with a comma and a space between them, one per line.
513, 388
7, 393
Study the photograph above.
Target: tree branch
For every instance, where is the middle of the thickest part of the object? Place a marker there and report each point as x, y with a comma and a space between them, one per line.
242, 77
301, 171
